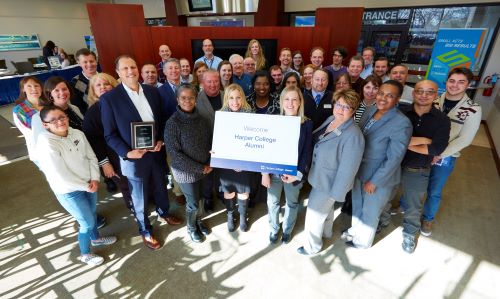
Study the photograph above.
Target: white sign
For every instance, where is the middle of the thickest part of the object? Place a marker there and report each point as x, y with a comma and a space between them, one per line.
256, 142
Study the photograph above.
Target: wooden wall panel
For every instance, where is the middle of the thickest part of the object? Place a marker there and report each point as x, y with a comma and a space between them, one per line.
111, 25
143, 45
271, 13
345, 24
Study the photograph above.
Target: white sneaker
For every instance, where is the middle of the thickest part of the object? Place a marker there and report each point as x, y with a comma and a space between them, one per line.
91, 259
103, 241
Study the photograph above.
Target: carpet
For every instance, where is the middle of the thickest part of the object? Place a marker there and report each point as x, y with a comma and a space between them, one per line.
12, 143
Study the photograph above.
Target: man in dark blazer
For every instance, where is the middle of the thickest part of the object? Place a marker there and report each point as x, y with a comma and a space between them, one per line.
172, 71
318, 101
145, 169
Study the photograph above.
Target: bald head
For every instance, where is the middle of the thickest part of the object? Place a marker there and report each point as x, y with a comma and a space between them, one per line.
424, 93
164, 52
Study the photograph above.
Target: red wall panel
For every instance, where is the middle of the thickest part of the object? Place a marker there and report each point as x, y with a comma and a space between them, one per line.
345, 24
111, 25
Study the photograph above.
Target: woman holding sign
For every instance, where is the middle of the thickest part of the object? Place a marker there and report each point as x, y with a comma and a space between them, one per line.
188, 138
338, 150
292, 104
236, 183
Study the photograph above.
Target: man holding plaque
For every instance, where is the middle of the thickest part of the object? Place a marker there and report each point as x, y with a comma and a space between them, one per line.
133, 120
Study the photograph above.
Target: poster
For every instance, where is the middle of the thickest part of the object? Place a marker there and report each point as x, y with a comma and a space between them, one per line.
256, 142
454, 48
14, 42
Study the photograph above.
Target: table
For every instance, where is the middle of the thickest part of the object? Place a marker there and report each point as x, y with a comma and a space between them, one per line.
9, 86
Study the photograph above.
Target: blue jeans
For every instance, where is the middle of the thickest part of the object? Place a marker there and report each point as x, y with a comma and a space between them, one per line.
414, 186
291, 207
437, 179
82, 206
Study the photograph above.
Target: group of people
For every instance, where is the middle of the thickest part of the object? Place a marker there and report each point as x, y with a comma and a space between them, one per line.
362, 129
50, 49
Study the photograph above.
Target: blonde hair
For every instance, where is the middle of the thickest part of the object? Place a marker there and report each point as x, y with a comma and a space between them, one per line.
230, 88
260, 62
283, 95
92, 97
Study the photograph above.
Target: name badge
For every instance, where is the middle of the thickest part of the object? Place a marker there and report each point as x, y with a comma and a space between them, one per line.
327, 106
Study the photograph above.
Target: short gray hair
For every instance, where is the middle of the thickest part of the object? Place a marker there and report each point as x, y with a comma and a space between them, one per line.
234, 56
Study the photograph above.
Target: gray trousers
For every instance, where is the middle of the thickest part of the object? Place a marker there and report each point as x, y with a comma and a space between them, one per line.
366, 210
414, 183
319, 220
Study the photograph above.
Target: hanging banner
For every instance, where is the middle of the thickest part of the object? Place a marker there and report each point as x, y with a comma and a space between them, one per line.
256, 142
454, 48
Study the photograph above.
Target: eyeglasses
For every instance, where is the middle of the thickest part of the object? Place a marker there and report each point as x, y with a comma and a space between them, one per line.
343, 107
426, 92
342, 83
187, 98
56, 120
337, 55
389, 96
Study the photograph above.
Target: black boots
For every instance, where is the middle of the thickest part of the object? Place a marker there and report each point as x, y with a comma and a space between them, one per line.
242, 209
230, 204
191, 227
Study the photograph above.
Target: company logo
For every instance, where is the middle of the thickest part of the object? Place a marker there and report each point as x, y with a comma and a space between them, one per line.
452, 58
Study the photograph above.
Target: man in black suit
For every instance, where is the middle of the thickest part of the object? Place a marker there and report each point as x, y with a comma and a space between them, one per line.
318, 101
145, 169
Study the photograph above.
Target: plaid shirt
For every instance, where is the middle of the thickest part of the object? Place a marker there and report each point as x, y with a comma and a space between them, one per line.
24, 111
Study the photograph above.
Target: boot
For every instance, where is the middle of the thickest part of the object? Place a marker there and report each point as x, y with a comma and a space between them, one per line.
242, 209
230, 203
199, 224
201, 227
191, 227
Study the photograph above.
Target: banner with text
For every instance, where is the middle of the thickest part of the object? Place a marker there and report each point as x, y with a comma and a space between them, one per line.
454, 48
256, 142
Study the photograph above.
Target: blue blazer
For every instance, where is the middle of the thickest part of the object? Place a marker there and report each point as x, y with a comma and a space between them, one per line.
336, 159
169, 99
117, 112
386, 143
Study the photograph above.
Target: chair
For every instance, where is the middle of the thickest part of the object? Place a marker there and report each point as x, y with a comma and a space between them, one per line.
72, 59
3, 65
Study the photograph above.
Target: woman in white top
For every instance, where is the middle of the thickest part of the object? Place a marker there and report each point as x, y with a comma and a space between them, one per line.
70, 166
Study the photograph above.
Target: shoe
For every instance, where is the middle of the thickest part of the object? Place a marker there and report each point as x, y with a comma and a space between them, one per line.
302, 251
380, 227
351, 244
286, 238
91, 259
102, 241
170, 219
110, 186
346, 236
195, 236
202, 228
151, 242
273, 238
180, 200
208, 205
101, 221
426, 228
409, 244
395, 211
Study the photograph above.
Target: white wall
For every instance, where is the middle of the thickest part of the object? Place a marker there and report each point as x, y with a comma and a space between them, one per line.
63, 22
311, 5
152, 8
492, 66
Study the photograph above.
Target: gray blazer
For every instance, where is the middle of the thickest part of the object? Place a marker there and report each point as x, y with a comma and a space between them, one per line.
336, 159
205, 108
386, 144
